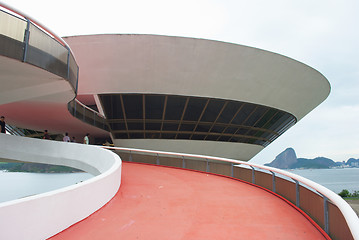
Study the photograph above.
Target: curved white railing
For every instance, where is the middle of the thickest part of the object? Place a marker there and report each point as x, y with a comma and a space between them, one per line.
89, 109
25, 16
350, 216
87, 115
44, 215
41, 46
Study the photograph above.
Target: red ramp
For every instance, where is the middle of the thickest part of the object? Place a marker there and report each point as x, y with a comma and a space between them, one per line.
157, 202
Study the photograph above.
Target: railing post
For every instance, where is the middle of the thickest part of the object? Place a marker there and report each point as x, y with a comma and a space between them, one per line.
26, 39
77, 79
84, 114
297, 192
273, 181
183, 162
158, 160
207, 166
253, 175
130, 158
68, 64
326, 215
232, 169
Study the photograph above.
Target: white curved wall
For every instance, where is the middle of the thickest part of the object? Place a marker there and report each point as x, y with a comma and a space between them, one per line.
196, 67
42, 216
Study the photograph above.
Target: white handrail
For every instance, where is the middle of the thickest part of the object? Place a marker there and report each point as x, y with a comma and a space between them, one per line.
44, 215
350, 216
51, 33
90, 109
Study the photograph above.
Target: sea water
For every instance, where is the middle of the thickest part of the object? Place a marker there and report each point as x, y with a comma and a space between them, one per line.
335, 179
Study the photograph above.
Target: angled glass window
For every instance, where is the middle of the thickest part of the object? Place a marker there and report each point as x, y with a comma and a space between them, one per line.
212, 137
155, 116
137, 135
116, 107
229, 112
242, 131
152, 135
224, 138
154, 106
194, 109
266, 118
168, 135
244, 113
117, 126
203, 128
218, 128
135, 126
183, 136
213, 109
153, 126
170, 127
255, 116
133, 106
121, 135
187, 127
231, 130
271, 124
174, 108
107, 105
198, 137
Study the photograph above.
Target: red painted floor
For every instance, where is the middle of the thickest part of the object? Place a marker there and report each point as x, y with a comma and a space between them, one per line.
166, 203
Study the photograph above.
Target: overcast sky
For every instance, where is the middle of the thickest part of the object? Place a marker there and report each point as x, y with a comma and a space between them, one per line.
320, 33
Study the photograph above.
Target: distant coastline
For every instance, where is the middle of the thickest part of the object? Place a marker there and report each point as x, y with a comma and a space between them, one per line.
288, 160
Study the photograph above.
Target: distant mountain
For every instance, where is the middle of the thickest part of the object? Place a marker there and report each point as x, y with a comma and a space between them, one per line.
318, 162
284, 160
353, 162
288, 160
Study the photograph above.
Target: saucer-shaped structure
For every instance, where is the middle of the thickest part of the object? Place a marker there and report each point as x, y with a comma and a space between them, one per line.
193, 95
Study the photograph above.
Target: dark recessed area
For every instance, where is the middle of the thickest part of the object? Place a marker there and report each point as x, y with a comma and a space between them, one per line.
155, 116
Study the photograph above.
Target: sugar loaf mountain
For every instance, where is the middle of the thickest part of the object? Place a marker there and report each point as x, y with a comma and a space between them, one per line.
288, 160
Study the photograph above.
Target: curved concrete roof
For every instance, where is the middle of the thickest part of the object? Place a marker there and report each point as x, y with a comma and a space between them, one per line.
31, 97
196, 67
